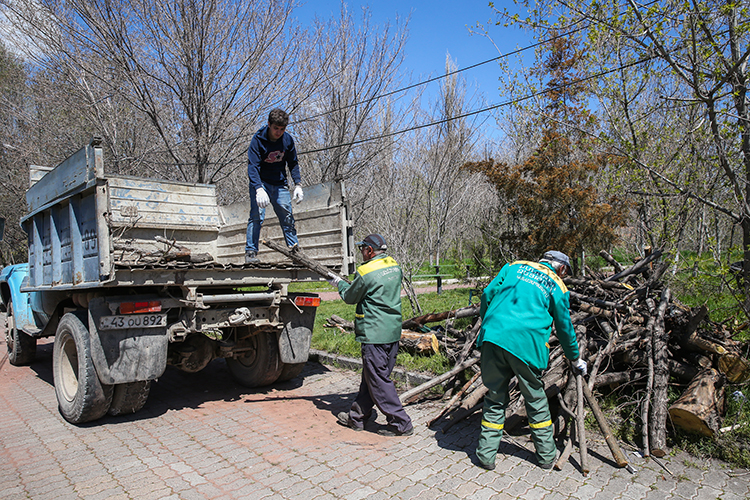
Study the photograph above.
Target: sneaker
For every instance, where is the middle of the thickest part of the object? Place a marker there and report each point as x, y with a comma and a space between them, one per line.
251, 258
294, 248
344, 419
486, 466
392, 431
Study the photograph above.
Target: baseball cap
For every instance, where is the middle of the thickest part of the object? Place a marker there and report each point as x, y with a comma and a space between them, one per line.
374, 241
555, 256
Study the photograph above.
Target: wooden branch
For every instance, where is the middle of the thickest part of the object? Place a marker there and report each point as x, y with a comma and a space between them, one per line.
470, 339
299, 257
606, 256
658, 424
637, 267
598, 302
580, 428
646, 405
604, 426
417, 322
339, 322
598, 311
471, 404
409, 395
449, 406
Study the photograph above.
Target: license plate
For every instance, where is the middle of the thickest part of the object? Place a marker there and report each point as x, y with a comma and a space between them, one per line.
123, 321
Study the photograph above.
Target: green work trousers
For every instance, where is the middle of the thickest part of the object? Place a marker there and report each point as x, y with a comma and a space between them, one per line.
498, 368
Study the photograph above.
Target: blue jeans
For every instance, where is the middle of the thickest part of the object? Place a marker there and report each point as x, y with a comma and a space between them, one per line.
281, 201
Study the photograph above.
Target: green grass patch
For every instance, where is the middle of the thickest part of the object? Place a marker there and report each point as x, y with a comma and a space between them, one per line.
335, 341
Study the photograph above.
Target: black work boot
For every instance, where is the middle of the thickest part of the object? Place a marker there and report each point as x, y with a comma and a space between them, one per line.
344, 419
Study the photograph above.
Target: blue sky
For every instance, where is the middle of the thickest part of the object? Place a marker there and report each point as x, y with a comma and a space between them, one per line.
438, 27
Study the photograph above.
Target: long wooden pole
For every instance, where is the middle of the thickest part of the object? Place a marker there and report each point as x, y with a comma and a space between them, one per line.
580, 429
300, 258
617, 453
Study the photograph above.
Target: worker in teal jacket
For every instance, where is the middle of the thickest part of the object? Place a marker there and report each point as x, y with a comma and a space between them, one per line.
376, 289
518, 310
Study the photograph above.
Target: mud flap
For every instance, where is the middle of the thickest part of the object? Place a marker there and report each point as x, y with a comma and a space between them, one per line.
129, 355
294, 344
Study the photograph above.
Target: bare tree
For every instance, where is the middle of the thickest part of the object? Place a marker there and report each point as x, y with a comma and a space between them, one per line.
351, 114
200, 71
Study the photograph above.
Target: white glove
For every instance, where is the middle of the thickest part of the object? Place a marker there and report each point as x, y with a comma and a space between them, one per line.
580, 365
333, 280
298, 195
261, 197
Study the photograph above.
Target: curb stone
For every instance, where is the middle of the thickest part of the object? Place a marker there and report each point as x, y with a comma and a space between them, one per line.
411, 378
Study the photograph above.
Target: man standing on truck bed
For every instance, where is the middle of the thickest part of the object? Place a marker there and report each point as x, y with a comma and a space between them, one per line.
376, 290
270, 152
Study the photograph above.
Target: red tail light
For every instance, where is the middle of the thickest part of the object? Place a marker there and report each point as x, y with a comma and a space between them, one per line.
307, 301
140, 307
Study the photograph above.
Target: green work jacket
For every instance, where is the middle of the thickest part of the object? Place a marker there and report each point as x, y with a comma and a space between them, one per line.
376, 290
519, 308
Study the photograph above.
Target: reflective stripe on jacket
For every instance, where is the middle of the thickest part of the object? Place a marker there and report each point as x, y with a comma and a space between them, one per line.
376, 290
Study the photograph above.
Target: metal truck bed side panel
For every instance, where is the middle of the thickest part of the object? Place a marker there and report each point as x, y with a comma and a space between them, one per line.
322, 223
79, 171
64, 244
112, 230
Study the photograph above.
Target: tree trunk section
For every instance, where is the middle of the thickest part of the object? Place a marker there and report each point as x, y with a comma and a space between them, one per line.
702, 405
658, 424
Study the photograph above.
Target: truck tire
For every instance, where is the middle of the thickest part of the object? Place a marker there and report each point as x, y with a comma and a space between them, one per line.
289, 371
81, 397
259, 366
21, 346
129, 398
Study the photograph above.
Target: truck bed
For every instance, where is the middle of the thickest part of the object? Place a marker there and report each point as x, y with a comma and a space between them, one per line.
91, 229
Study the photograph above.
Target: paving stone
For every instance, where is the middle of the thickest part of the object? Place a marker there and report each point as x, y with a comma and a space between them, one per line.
201, 436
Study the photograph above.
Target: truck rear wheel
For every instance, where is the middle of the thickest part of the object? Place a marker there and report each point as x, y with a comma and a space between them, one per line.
81, 397
129, 398
21, 346
260, 365
290, 370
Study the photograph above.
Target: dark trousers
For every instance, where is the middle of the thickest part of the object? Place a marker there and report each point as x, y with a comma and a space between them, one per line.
378, 389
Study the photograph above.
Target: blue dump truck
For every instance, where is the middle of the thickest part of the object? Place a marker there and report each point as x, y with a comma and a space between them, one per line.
133, 274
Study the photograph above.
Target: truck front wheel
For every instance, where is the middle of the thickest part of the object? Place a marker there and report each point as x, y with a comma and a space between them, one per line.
260, 365
81, 397
21, 347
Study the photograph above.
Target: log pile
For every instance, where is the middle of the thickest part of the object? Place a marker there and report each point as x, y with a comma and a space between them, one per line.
636, 338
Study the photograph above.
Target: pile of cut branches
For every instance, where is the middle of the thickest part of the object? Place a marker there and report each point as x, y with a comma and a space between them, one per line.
632, 332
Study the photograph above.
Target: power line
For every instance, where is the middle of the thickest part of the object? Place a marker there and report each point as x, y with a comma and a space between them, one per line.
460, 70
446, 75
483, 110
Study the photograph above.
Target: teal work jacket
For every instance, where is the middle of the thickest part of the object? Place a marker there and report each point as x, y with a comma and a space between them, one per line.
376, 289
518, 310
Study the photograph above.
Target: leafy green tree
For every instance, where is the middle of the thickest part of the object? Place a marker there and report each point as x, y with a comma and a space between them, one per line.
551, 195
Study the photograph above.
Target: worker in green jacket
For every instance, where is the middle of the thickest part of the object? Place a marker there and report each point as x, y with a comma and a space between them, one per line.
376, 289
518, 310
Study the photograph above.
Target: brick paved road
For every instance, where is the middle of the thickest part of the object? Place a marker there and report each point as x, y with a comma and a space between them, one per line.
202, 436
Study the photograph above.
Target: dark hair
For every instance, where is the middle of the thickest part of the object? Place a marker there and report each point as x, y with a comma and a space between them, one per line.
278, 117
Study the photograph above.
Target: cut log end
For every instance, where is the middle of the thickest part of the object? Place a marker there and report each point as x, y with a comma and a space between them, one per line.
686, 420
